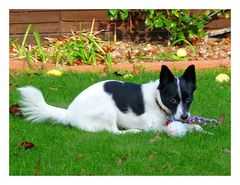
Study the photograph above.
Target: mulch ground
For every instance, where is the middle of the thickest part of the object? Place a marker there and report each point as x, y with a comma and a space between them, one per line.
206, 49
210, 53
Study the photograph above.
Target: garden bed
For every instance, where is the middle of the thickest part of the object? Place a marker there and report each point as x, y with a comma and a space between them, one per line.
204, 53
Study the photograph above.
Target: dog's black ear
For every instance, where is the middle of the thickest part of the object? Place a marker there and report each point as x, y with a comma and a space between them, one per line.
166, 76
189, 75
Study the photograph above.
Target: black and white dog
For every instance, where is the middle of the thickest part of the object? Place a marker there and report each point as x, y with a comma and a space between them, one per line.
111, 104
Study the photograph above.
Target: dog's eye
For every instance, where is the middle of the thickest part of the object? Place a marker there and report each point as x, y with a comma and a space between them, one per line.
189, 100
173, 100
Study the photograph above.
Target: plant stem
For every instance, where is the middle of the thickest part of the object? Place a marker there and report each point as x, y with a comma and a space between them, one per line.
92, 27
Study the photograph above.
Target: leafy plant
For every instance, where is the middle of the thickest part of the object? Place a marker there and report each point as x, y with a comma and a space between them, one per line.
180, 24
84, 47
114, 14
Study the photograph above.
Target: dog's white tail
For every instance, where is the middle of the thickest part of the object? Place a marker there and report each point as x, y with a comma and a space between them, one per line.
34, 107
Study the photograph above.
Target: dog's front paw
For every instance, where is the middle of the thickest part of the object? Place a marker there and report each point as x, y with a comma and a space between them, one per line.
193, 127
134, 130
198, 128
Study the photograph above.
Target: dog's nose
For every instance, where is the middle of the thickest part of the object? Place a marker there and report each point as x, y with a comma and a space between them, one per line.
184, 116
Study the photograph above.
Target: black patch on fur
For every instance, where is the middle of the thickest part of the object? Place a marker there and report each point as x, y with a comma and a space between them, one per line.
187, 84
126, 96
167, 92
187, 90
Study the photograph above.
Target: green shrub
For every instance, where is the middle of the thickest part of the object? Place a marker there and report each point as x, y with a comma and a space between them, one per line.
180, 24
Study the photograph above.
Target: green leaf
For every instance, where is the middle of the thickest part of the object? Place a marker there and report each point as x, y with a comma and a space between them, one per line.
109, 63
158, 23
207, 12
201, 33
227, 15
173, 24
173, 57
185, 12
167, 23
190, 34
175, 13
123, 14
148, 22
26, 35
112, 13
37, 39
150, 13
186, 19
181, 35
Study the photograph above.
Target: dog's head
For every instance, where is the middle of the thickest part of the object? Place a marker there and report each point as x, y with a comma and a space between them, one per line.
176, 93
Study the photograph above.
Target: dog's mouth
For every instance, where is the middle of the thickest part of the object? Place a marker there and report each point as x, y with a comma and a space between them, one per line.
181, 120
183, 117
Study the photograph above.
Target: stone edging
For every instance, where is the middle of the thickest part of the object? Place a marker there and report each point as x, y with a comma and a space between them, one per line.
20, 65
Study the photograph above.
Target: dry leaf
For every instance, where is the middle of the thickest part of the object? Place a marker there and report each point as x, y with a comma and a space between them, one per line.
55, 88
166, 166
77, 62
226, 150
156, 138
12, 85
122, 159
152, 155
15, 110
27, 145
222, 119
15, 76
154, 51
80, 157
19, 131
136, 69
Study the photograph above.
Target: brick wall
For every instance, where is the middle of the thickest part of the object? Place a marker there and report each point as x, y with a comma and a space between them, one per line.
55, 23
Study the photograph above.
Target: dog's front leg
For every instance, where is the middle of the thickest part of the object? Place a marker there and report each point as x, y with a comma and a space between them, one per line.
133, 130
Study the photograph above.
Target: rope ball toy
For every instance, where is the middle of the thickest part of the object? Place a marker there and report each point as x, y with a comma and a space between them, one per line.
179, 129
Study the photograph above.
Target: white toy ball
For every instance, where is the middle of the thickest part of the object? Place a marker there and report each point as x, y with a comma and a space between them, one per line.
176, 129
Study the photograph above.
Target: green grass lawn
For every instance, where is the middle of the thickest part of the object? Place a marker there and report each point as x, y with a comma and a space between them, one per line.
63, 150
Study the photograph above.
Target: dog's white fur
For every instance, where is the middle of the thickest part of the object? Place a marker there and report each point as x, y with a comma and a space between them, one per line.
94, 110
